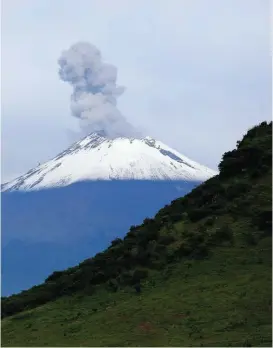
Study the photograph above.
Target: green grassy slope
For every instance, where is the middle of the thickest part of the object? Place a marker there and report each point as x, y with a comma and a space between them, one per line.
204, 264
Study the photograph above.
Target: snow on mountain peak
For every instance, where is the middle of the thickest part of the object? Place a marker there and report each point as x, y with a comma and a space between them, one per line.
99, 158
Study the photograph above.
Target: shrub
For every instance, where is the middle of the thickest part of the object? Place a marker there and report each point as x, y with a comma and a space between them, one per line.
252, 237
166, 239
210, 221
54, 276
263, 220
139, 274
116, 242
222, 234
112, 285
200, 252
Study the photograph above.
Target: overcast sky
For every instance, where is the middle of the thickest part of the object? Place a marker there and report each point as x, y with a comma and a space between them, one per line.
197, 72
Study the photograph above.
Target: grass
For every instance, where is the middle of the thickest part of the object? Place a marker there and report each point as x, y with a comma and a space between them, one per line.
222, 301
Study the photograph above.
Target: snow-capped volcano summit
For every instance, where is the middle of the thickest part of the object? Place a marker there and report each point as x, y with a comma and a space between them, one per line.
97, 157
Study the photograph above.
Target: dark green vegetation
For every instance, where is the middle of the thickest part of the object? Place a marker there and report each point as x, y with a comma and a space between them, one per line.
204, 263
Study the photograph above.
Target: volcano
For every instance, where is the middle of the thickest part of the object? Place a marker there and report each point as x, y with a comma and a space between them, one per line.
72, 206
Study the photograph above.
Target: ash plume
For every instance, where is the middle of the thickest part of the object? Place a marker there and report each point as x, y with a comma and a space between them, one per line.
95, 91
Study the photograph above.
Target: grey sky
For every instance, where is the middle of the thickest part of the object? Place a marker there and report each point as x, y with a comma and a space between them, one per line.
197, 72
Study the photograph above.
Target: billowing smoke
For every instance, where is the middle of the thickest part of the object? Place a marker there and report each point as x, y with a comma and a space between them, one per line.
95, 91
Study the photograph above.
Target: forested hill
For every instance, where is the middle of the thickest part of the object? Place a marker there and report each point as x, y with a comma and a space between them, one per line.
217, 235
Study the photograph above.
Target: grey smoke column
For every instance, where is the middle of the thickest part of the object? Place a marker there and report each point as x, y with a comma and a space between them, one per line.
95, 92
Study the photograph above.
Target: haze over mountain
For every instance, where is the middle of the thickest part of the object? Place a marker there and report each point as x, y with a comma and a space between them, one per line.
72, 206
